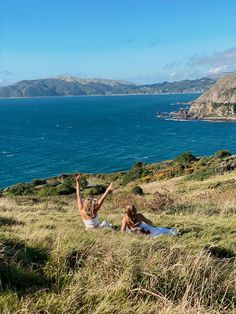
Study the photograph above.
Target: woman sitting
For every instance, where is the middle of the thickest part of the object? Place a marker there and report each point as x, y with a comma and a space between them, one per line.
137, 223
89, 207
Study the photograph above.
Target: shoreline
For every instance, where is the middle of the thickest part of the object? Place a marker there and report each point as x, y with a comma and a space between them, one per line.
205, 120
120, 171
99, 95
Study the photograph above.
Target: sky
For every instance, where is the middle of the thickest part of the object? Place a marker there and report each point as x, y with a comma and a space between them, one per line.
142, 41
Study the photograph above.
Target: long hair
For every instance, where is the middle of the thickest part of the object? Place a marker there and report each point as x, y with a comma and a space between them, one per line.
131, 212
90, 207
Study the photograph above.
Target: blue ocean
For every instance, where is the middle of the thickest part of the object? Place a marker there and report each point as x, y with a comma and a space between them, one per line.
43, 137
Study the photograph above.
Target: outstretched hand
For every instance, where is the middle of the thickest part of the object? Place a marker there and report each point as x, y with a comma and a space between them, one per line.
77, 178
110, 187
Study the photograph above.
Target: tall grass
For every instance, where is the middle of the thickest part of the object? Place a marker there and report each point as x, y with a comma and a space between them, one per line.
50, 264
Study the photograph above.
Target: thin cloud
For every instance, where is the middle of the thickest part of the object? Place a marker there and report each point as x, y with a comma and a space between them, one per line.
216, 70
126, 41
5, 72
171, 65
154, 44
225, 58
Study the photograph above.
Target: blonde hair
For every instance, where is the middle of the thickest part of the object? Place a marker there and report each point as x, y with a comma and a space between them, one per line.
131, 213
90, 205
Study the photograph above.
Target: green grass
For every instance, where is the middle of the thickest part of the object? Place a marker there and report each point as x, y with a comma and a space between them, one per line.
50, 264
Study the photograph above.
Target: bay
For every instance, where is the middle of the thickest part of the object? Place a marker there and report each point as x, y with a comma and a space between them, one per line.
43, 137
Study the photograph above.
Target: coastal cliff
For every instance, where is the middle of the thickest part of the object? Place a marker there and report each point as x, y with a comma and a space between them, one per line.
219, 103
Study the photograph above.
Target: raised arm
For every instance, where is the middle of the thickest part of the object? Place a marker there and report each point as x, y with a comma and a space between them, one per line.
78, 192
102, 199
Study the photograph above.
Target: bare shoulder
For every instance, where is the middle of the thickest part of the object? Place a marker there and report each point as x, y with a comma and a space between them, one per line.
125, 218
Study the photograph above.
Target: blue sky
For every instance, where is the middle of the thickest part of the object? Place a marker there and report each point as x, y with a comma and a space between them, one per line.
137, 40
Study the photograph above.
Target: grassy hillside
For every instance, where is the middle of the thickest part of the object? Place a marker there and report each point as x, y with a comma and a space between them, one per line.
50, 264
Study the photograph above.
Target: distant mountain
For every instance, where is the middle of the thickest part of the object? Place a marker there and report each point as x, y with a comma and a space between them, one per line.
185, 86
72, 86
64, 86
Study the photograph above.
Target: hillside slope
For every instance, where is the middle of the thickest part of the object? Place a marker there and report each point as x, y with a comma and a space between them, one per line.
72, 86
64, 86
50, 264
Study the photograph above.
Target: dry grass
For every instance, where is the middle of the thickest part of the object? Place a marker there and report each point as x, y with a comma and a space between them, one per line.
50, 264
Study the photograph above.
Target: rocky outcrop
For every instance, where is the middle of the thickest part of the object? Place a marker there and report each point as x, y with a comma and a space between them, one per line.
219, 103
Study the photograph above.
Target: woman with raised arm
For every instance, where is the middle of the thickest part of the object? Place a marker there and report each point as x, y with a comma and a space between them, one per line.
138, 223
89, 207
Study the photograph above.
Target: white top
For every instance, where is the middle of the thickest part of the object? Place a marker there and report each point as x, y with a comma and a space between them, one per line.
91, 223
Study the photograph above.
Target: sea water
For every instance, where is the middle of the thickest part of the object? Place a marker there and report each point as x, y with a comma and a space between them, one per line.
43, 137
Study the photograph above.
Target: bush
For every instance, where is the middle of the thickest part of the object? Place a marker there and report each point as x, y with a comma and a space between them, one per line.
67, 187
148, 178
97, 189
227, 165
137, 190
47, 190
134, 173
222, 154
36, 182
145, 172
21, 189
161, 202
64, 189
186, 159
202, 174
83, 182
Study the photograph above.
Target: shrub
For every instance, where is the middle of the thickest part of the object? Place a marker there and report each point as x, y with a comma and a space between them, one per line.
134, 173
97, 189
64, 189
148, 178
83, 182
163, 175
222, 153
36, 182
202, 174
186, 159
67, 187
21, 189
204, 161
137, 190
145, 172
176, 170
47, 190
161, 202
227, 165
